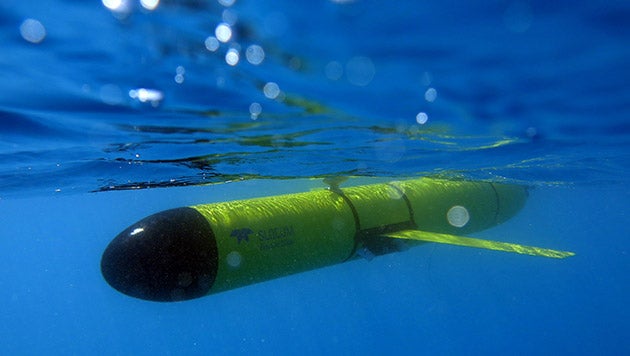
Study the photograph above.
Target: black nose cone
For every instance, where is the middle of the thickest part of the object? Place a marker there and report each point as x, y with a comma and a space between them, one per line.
168, 256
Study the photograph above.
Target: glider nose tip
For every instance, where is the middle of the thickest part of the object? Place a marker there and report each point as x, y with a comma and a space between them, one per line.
168, 256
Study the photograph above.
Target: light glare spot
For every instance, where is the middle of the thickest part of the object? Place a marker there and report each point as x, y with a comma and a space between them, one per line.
150, 4
234, 259
212, 44
422, 118
146, 95
223, 32
254, 110
120, 8
333, 70
113, 5
295, 63
32, 30
430, 95
458, 216
227, 3
255, 54
179, 74
136, 231
271, 90
426, 79
229, 17
531, 132
394, 194
232, 57
360, 71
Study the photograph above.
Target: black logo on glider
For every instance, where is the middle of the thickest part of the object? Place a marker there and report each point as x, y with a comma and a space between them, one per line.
241, 234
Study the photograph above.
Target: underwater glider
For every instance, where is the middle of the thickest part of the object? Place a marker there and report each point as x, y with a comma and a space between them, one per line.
189, 252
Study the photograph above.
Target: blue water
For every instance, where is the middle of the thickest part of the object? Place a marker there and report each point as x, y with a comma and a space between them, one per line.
109, 114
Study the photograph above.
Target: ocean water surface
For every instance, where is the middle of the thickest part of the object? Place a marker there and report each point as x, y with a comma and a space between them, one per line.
114, 110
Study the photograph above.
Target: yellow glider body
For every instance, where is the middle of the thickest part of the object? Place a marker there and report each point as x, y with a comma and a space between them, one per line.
189, 252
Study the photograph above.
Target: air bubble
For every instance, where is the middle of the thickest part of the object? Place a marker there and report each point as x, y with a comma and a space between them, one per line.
147, 95
32, 30
255, 54
271, 90
458, 216
150, 4
232, 57
254, 110
223, 32
179, 74
422, 118
227, 3
333, 70
234, 259
212, 44
360, 71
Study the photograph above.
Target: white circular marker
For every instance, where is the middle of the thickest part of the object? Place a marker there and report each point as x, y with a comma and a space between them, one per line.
233, 259
458, 216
